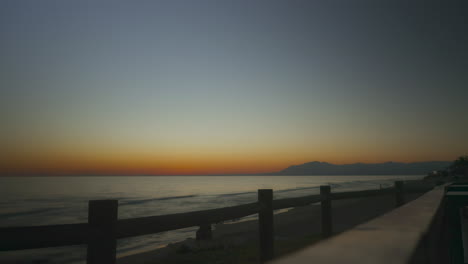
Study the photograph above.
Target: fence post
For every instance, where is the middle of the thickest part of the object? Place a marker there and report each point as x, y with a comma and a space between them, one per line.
204, 232
399, 193
326, 211
102, 217
265, 224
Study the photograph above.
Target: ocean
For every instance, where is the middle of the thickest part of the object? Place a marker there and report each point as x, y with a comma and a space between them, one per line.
26, 201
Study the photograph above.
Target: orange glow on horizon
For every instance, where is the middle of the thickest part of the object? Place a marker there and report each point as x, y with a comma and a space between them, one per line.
187, 163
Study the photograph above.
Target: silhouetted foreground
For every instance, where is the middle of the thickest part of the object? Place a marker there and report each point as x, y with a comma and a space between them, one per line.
427, 230
103, 228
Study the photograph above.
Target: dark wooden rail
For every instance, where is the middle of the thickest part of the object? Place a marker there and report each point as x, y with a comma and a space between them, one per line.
155, 224
14, 238
103, 227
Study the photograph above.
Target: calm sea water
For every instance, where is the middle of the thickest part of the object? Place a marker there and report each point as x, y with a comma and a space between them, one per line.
62, 200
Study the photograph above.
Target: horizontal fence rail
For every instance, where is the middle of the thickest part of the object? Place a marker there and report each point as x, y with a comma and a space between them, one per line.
29, 237
294, 202
15, 238
155, 224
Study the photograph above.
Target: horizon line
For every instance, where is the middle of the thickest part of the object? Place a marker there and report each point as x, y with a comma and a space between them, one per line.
146, 174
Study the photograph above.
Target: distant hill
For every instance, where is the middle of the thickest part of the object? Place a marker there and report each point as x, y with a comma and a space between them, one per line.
387, 168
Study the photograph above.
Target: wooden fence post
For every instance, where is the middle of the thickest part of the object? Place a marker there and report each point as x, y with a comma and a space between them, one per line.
102, 217
265, 224
204, 232
325, 191
399, 193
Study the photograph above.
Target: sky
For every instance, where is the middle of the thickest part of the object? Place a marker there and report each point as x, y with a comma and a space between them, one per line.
228, 87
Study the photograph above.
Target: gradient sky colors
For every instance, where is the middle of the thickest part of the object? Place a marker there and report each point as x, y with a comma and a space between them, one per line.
214, 87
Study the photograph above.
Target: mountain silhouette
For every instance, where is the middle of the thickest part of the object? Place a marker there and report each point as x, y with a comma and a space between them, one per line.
387, 168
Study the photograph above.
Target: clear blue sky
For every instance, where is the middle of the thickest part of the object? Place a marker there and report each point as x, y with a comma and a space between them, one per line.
181, 87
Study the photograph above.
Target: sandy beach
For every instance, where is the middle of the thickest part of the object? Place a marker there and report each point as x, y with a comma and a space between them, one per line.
294, 229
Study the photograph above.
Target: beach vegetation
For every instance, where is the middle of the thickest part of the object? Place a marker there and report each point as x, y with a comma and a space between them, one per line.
460, 166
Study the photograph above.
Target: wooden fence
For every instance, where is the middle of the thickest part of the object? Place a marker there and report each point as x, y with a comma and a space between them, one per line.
103, 228
415, 233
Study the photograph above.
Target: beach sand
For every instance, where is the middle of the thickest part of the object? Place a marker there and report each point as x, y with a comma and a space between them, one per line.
294, 229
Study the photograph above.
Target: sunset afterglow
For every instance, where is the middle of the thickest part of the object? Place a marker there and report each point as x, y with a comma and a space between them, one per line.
164, 88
